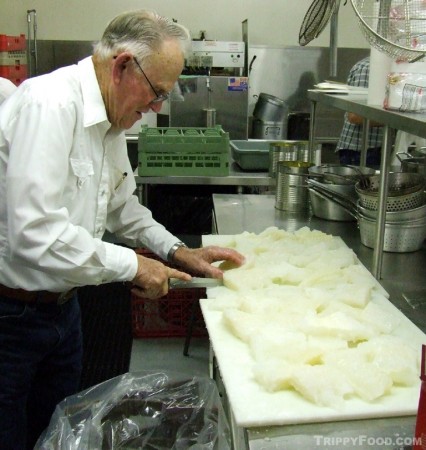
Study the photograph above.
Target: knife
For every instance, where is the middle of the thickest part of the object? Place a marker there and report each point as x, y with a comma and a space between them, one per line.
196, 282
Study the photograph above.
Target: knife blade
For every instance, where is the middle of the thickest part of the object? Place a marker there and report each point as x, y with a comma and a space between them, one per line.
196, 282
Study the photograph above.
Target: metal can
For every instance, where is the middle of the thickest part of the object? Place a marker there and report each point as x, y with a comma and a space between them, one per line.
292, 193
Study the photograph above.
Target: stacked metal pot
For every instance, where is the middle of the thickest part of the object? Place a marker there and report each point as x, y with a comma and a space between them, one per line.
405, 218
337, 195
332, 191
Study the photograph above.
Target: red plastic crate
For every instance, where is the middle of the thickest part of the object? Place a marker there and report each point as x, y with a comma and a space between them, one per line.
14, 58
12, 43
167, 316
17, 71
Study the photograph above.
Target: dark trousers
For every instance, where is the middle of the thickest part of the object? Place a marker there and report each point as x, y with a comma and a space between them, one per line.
40, 365
352, 157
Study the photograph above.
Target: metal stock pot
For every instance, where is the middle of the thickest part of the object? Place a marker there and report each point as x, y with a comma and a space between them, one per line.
269, 108
413, 164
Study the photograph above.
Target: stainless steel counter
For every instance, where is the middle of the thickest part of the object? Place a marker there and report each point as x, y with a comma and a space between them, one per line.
413, 123
403, 278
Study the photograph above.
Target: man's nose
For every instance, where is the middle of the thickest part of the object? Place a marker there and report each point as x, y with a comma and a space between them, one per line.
156, 107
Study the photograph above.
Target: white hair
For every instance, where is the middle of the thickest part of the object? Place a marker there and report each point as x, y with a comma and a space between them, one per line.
141, 32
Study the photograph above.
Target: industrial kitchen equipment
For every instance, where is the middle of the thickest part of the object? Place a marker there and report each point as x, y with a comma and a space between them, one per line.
211, 91
396, 28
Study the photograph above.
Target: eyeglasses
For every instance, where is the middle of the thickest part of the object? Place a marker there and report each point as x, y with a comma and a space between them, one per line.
160, 97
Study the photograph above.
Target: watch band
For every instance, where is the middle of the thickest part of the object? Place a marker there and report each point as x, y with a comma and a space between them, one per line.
172, 251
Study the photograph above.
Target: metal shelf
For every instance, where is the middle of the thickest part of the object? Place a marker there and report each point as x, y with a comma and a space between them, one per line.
413, 123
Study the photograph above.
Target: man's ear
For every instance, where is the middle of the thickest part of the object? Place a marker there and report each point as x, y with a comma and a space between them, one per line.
121, 65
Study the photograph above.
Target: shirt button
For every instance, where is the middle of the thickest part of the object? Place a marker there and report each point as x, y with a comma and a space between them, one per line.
99, 230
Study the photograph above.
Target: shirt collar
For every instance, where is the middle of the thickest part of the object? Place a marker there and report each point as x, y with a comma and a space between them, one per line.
94, 107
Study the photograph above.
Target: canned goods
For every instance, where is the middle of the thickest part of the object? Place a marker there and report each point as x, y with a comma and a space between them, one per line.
292, 193
288, 151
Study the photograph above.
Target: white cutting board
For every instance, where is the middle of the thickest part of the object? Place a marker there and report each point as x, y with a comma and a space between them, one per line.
253, 406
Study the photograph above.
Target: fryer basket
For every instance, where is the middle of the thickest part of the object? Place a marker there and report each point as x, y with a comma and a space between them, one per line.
399, 237
405, 191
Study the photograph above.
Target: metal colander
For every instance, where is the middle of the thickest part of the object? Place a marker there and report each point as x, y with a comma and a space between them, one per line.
394, 27
399, 237
406, 215
405, 191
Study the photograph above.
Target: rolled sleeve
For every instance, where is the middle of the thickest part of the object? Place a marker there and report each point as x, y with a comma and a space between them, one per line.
122, 263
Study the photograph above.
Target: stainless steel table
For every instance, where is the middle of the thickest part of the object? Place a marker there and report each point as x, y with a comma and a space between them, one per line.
403, 278
236, 177
413, 123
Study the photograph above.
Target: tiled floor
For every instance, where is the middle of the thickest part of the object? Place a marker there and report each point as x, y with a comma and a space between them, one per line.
166, 354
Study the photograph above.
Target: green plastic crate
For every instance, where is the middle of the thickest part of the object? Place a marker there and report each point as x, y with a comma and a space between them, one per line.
183, 151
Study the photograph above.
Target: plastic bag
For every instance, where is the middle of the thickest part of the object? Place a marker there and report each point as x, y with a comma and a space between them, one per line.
155, 411
406, 87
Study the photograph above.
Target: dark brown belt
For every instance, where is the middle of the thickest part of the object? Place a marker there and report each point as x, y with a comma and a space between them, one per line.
37, 296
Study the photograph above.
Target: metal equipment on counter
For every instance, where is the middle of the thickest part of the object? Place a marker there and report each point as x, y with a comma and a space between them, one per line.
211, 91
411, 163
270, 118
227, 96
210, 53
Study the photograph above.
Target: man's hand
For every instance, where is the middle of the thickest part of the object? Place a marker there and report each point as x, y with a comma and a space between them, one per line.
199, 260
152, 278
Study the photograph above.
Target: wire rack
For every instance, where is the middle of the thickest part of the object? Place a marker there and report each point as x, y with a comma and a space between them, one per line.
395, 27
316, 19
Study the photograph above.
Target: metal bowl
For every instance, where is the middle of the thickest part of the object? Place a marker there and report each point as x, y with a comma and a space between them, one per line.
325, 208
338, 174
345, 190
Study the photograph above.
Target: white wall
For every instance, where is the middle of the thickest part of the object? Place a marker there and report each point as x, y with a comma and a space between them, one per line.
270, 22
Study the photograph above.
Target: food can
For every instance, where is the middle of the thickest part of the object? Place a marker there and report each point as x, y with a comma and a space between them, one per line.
289, 151
292, 193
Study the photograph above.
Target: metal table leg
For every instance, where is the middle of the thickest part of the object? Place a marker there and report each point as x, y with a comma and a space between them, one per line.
312, 130
364, 142
381, 207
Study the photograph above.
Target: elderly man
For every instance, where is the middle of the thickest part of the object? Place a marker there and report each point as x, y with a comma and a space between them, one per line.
63, 172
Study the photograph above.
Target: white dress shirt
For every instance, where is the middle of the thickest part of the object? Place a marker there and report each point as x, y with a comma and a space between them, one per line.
61, 187
7, 88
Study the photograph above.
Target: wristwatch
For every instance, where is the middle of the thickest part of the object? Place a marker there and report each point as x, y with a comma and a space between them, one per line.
172, 251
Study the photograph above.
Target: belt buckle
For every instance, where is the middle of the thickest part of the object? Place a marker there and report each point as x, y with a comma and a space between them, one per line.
65, 296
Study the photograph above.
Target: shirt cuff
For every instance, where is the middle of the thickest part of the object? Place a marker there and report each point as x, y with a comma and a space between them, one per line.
122, 262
